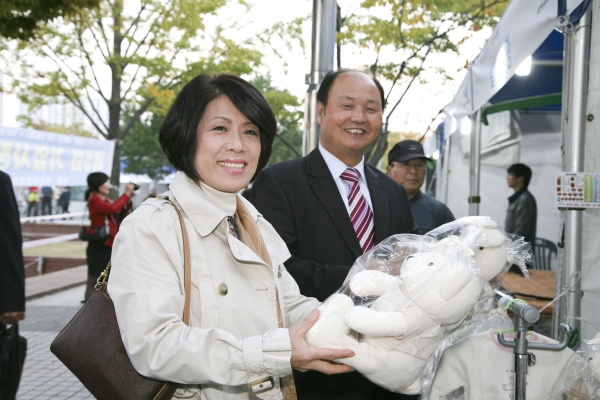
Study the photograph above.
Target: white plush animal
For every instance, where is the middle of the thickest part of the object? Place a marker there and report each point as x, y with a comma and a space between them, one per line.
437, 287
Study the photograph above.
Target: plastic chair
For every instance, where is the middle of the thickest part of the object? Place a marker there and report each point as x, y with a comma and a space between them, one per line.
544, 253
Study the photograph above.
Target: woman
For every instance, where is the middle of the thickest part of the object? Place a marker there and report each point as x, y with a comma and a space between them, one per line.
218, 134
102, 210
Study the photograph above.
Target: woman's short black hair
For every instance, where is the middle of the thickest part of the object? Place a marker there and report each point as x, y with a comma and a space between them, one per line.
178, 132
327, 83
94, 181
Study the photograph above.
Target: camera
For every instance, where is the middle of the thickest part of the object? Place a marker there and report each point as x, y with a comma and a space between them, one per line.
135, 186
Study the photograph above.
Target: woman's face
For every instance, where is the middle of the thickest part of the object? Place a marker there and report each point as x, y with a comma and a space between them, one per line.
228, 147
104, 188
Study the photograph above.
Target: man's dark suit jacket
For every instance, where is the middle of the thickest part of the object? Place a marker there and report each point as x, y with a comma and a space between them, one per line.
301, 200
12, 274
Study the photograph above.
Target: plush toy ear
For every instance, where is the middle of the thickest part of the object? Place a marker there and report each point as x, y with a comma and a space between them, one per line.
371, 283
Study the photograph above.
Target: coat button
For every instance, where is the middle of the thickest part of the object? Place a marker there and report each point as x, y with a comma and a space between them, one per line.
223, 290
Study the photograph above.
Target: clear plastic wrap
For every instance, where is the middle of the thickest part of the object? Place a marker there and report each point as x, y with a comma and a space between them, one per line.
410, 294
580, 378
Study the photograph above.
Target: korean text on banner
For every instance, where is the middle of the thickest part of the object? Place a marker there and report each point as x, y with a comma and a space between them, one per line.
37, 158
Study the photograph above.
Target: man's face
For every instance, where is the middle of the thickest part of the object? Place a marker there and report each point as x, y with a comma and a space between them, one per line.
514, 182
352, 119
410, 174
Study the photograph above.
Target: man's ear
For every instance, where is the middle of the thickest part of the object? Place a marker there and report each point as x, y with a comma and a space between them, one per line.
320, 112
520, 180
389, 169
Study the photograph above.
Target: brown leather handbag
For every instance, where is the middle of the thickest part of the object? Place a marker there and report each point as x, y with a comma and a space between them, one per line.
91, 346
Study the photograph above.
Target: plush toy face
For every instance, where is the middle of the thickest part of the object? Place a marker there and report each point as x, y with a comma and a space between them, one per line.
490, 253
442, 284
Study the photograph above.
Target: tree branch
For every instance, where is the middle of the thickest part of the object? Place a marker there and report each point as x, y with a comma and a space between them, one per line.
134, 118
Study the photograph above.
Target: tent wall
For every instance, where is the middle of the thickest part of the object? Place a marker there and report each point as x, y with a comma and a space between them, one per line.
540, 149
590, 266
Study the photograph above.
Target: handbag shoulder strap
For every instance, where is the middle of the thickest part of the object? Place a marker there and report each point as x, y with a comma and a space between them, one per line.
101, 283
187, 270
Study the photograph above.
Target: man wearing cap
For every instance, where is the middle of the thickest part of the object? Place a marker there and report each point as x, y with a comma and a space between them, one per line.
407, 165
331, 206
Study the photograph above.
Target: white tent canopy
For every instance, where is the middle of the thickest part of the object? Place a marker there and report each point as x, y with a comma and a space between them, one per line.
524, 25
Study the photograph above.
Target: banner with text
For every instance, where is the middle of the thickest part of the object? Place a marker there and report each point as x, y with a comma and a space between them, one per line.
37, 158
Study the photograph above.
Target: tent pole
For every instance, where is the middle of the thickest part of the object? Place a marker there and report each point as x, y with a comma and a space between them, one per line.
474, 198
323, 53
576, 90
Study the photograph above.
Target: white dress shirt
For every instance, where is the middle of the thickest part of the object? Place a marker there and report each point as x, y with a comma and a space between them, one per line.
337, 168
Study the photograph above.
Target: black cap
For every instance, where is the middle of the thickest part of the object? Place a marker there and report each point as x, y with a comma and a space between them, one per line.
406, 150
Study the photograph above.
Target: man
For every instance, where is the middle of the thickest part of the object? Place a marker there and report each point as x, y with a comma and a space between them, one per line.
64, 200
521, 216
47, 194
407, 165
12, 273
32, 202
309, 201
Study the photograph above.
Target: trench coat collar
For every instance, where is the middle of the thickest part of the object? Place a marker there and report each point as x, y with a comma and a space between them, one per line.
207, 216
202, 209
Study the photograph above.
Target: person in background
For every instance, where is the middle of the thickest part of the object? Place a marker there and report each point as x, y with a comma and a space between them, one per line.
407, 165
33, 204
331, 206
64, 200
47, 194
12, 272
521, 216
151, 195
102, 210
247, 316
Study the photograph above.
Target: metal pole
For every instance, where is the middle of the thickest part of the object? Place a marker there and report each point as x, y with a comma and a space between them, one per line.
570, 305
474, 198
323, 53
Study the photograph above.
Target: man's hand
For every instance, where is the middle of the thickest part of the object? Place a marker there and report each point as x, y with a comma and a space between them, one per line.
11, 317
306, 358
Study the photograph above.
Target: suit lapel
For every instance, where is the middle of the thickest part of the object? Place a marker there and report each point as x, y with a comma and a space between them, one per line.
379, 199
326, 190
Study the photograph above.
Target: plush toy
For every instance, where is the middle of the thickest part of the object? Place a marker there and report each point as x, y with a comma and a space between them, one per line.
409, 314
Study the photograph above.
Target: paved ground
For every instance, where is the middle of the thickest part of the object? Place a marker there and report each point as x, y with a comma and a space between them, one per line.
44, 376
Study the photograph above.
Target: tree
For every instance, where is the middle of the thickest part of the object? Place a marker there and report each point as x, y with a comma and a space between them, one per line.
129, 53
288, 142
141, 152
402, 41
19, 19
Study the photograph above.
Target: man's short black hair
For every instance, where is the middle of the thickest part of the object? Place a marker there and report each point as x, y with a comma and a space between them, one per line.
520, 170
327, 83
178, 132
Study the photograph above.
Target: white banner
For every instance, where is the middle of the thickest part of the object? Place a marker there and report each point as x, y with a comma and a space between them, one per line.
523, 27
37, 158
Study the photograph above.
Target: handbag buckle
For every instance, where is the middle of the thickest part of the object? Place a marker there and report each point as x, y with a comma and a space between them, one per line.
261, 385
102, 278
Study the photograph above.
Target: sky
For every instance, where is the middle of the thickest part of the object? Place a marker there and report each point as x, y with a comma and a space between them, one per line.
416, 111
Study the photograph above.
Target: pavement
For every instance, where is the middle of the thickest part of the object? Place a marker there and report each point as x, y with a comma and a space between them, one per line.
44, 376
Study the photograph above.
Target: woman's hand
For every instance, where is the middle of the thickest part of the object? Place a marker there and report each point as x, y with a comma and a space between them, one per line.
129, 189
306, 358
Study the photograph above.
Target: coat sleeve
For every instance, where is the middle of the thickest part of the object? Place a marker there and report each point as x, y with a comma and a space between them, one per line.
314, 279
97, 205
12, 274
296, 306
146, 285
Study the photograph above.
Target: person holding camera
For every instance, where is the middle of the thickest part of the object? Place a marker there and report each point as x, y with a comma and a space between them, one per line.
102, 212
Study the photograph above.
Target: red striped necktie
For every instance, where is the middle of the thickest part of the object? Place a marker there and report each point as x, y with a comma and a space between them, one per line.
360, 212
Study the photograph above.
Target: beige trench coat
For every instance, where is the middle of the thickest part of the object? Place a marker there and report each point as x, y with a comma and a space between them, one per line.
234, 338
